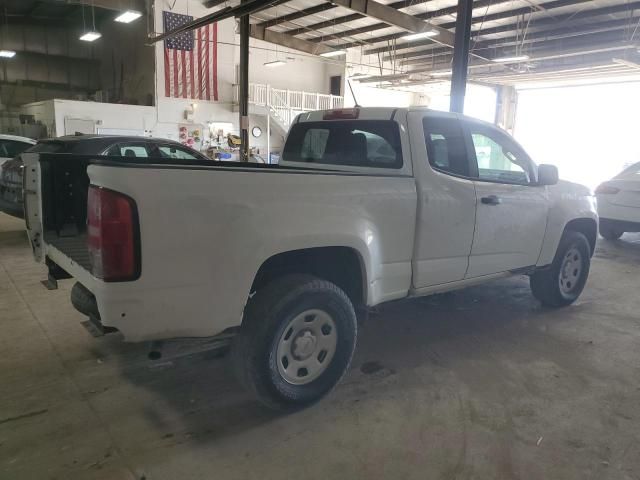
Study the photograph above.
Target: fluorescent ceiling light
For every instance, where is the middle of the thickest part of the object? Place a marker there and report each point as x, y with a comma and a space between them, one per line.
443, 73
90, 36
128, 16
514, 58
275, 63
7, 53
333, 53
417, 36
360, 76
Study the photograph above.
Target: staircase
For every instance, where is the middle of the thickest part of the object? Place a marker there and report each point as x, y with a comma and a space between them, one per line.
282, 106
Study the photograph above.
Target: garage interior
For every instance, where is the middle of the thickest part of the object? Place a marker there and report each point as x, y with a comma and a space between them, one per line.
480, 383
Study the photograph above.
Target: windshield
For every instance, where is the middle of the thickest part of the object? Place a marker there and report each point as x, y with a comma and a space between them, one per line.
359, 143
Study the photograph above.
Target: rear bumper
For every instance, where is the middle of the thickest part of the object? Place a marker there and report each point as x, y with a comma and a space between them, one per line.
619, 225
623, 213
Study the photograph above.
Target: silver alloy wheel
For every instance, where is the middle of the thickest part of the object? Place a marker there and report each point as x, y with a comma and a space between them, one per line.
306, 346
570, 270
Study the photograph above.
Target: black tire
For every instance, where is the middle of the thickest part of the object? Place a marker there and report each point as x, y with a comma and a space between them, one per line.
84, 301
267, 315
609, 233
546, 284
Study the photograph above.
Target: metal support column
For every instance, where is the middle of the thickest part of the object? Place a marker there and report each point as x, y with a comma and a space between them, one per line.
461, 55
243, 88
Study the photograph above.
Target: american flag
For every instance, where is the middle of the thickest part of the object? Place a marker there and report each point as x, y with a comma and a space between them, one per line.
190, 60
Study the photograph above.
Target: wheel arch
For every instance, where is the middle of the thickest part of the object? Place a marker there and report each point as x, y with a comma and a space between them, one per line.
588, 227
343, 266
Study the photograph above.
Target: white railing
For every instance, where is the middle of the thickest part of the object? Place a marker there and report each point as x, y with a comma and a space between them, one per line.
286, 104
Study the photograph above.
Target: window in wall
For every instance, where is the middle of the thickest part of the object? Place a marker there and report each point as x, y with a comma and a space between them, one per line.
446, 145
499, 160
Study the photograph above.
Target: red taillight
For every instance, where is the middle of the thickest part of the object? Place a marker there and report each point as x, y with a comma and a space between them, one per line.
342, 114
112, 226
605, 189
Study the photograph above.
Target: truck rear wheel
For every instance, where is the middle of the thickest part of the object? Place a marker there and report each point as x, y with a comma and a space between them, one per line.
562, 283
296, 341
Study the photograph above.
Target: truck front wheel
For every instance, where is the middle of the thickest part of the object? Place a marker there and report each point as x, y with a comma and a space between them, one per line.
296, 341
563, 281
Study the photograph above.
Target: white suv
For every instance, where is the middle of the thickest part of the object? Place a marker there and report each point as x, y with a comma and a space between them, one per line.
619, 203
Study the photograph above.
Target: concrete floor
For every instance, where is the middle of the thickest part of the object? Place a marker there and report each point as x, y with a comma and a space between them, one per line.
480, 384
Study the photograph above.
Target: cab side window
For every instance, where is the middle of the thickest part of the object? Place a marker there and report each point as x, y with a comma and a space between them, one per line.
499, 158
446, 146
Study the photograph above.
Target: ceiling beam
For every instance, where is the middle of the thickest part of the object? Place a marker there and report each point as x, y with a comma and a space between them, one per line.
546, 50
531, 38
514, 27
212, 3
477, 64
313, 48
245, 8
396, 18
327, 24
295, 15
356, 16
476, 20
378, 26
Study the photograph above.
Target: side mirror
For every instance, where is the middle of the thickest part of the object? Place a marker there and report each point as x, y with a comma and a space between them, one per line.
547, 175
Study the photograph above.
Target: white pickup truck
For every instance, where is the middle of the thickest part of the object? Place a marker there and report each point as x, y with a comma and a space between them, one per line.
367, 205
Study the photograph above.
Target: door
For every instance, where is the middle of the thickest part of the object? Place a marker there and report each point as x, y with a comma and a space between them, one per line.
511, 209
335, 85
446, 199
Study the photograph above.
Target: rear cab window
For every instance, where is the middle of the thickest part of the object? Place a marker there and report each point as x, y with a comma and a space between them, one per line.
348, 143
129, 150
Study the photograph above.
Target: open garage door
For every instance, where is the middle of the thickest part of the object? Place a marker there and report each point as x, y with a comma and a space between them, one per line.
590, 132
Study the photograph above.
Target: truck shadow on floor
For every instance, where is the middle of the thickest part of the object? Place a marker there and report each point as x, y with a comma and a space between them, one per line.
491, 324
201, 389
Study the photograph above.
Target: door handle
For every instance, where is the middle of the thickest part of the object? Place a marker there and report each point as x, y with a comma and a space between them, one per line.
491, 200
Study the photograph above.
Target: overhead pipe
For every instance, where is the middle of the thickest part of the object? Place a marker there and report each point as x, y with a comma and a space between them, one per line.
245, 8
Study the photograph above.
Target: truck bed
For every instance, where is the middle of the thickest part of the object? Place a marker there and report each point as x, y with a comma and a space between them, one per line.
74, 247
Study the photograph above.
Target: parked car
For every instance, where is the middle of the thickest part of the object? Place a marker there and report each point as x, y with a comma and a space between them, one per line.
133, 147
619, 203
366, 206
10, 147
